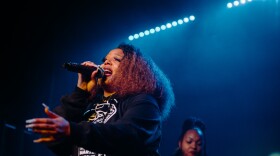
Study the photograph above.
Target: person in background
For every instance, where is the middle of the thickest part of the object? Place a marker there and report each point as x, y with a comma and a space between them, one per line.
192, 141
118, 114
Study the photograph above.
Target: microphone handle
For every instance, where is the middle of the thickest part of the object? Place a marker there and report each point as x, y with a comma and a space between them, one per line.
85, 70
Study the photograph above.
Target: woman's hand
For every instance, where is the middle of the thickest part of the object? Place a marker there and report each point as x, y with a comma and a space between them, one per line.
83, 82
51, 128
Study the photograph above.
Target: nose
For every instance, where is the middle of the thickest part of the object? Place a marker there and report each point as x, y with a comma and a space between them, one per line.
193, 145
107, 62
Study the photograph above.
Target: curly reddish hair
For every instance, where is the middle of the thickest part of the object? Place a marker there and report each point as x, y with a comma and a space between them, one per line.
142, 75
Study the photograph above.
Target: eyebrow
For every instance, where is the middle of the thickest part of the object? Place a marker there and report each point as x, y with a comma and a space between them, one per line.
189, 137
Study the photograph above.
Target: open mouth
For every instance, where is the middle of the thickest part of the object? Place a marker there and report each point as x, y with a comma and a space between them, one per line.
107, 72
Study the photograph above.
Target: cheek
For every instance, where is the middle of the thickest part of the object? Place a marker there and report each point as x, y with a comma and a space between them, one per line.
184, 147
116, 65
116, 68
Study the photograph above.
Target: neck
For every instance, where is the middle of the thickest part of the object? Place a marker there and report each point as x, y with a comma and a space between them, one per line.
107, 94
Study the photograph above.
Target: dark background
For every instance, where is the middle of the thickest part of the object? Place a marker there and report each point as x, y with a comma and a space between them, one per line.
224, 66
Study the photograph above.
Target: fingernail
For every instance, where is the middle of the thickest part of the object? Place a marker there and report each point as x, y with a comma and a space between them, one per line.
29, 130
28, 126
29, 121
46, 106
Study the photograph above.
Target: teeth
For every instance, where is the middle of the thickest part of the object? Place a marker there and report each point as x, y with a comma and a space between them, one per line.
107, 71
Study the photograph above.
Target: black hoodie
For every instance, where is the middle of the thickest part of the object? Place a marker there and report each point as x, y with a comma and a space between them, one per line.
117, 127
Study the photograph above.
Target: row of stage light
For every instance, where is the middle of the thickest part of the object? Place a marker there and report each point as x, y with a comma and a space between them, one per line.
178, 22
237, 3
161, 28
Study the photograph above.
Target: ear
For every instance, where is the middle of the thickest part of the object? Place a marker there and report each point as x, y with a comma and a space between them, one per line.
180, 143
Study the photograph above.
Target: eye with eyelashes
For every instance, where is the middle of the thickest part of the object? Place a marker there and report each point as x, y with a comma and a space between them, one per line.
198, 143
115, 59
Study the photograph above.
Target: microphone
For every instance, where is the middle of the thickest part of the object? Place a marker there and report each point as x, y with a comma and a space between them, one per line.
85, 70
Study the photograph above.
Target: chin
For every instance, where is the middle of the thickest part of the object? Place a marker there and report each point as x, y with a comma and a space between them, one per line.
106, 81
